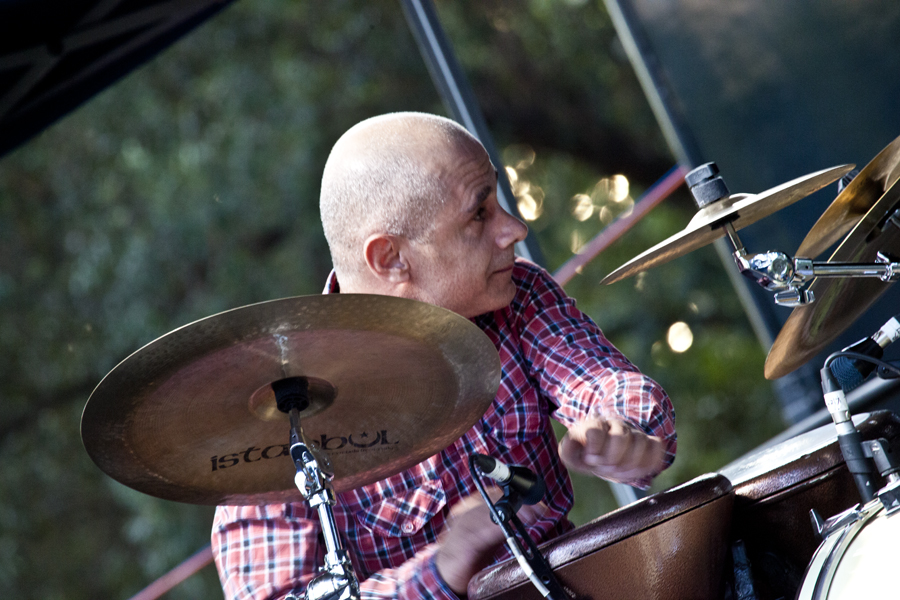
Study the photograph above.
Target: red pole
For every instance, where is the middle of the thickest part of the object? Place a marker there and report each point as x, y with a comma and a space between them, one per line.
168, 581
658, 192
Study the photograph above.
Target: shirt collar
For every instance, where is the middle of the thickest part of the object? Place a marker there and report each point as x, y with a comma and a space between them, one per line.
331, 284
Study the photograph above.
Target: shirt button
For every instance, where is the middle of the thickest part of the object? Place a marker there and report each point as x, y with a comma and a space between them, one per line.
407, 527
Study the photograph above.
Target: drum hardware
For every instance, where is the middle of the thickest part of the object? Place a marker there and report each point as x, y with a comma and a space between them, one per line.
336, 580
716, 209
776, 271
858, 455
811, 327
850, 562
520, 486
835, 565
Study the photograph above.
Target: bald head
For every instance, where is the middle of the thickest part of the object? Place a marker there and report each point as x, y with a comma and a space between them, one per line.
385, 176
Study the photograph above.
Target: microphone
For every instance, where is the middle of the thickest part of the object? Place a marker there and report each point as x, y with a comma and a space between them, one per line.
529, 487
851, 372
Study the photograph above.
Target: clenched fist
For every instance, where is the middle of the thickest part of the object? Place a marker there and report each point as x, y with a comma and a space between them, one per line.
612, 449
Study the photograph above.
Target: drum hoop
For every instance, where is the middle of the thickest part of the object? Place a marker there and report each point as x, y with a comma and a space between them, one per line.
839, 548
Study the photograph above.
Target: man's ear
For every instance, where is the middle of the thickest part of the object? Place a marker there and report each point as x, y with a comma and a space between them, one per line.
386, 258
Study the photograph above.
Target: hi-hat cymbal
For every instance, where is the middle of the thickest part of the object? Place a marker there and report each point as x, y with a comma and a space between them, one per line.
740, 210
853, 202
839, 301
191, 416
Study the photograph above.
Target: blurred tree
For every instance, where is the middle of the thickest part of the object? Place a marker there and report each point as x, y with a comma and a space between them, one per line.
191, 187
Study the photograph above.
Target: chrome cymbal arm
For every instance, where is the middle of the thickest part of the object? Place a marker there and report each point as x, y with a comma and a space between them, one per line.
786, 276
774, 271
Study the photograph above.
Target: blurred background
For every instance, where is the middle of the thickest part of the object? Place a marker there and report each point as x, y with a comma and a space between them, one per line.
191, 187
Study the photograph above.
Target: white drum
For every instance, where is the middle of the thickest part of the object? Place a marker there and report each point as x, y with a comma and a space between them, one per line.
857, 560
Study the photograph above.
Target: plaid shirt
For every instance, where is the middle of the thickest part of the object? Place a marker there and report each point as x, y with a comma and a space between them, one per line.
555, 362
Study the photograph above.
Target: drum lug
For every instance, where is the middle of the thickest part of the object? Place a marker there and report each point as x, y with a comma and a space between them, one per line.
890, 497
824, 528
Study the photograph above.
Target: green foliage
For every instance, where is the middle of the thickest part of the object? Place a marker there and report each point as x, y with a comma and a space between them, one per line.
191, 187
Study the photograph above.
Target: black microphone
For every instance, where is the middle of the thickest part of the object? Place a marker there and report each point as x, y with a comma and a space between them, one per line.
851, 372
522, 480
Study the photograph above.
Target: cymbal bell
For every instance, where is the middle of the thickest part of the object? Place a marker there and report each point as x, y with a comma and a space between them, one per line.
740, 210
853, 202
191, 416
839, 301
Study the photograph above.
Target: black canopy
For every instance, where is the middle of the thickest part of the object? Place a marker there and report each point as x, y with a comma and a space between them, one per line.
55, 54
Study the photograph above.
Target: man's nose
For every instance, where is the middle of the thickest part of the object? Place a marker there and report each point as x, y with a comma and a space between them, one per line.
512, 230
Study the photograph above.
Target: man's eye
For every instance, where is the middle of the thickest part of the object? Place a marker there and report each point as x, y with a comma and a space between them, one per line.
480, 214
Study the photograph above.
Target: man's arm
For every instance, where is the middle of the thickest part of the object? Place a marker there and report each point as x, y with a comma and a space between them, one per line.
621, 423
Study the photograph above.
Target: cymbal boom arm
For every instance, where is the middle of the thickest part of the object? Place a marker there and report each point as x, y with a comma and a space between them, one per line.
785, 276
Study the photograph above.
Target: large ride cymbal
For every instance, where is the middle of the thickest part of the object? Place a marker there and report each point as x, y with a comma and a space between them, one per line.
839, 301
740, 210
853, 202
191, 416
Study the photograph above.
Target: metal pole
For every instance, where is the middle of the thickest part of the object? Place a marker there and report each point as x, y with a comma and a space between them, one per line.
460, 101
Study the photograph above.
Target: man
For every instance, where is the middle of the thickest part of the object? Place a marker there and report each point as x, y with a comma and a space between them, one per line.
409, 207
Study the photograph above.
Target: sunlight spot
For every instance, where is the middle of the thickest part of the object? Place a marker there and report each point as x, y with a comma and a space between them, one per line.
680, 337
611, 189
512, 175
618, 188
520, 155
640, 281
576, 242
529, 207
583, 208
606, 215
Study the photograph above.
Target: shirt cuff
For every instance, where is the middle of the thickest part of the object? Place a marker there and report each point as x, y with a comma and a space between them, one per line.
432, 580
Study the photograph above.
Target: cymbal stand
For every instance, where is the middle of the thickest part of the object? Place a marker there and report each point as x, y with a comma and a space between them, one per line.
336, 580
785, 276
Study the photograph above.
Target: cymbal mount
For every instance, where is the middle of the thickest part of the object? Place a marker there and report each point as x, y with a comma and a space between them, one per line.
785, 276
336, 580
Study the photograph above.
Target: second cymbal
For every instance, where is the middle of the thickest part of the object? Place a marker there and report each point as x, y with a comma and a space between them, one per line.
853, 202
740, 210
839, 301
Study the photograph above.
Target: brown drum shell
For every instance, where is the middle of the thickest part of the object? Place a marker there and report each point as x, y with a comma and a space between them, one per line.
668, 546
775, 489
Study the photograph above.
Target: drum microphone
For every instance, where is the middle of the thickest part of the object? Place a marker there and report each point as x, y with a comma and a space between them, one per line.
522, 480
851, 372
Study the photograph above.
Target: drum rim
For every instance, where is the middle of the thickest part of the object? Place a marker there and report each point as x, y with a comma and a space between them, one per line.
836, 545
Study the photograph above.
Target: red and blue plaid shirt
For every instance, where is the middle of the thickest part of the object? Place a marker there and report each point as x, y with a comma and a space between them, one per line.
555, 363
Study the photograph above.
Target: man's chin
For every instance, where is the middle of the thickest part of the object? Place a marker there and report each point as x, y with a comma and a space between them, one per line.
502, 299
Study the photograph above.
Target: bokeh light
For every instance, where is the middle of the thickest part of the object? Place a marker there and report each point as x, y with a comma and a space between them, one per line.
582, 208
529, 198
679, 337
576, 241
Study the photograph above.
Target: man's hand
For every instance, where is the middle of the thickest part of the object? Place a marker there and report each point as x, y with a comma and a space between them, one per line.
611, 449
470, 539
